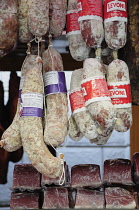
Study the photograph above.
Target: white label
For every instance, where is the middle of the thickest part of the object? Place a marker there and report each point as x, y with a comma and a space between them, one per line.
118, 93
32, 100
115, 5
50, 78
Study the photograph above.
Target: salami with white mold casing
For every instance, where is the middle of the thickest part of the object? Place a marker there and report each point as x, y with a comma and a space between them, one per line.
103, 136
91, 22
119, 87
8, 26
57, 17
24, 34
31, 128
56, 119
38, 17
74, 132
77, 46
96, 94
115, 23
11, 139
81, 115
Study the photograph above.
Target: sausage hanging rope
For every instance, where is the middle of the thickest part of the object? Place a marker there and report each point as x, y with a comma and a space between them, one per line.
115, 54
38, 40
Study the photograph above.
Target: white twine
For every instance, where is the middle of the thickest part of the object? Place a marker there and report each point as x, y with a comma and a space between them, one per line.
115, 54
98, 52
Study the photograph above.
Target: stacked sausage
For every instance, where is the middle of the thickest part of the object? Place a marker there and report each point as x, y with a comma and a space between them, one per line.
98, 93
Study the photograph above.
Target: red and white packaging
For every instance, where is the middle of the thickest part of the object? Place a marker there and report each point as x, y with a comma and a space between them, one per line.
95, 89
88, 9
80, 113
73, 26
115, 10
78, 49
96, 94
120, 92
91, 22
115, 23
77, 101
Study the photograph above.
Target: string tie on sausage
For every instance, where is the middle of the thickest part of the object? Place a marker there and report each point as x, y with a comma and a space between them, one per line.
62, 178
98, 53
38, 40
1, 143
50, 41
115, 54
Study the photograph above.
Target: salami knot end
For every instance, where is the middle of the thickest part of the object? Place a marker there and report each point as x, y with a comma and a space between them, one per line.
1, 143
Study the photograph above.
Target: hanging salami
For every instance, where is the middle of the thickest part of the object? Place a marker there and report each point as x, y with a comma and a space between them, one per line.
8, 26
56, 119
115, 23
57, 17
78, 49
81, 115
91, 22
38, 17
31, 128
96, 94
24, 34
119, 87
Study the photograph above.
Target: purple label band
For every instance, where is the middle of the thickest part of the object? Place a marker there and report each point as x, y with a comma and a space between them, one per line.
31, 112
57, 88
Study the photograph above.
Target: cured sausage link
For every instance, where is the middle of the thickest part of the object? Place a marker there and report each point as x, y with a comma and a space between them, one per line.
31, 128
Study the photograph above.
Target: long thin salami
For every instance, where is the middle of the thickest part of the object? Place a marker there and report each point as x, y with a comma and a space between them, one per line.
11, 140
56, 123
31, 128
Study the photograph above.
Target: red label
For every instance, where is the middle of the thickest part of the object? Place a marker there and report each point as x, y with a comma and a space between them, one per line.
72, 22
77, 100
120, 94
117, 8
90, 7
95, 90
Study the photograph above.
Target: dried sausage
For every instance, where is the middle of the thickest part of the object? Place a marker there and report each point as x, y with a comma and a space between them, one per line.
91, 22
119, 87
96, 94
78, 49
38, 17
81, 115
57, 17
31, 128
115, 23
56, 123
